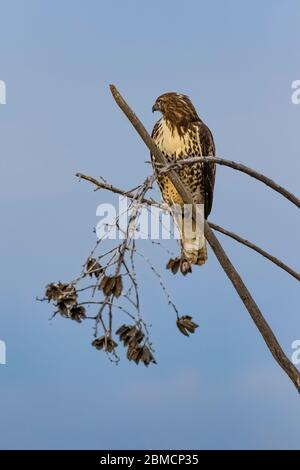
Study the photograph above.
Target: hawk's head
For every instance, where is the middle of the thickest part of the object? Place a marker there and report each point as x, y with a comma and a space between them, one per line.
176, 108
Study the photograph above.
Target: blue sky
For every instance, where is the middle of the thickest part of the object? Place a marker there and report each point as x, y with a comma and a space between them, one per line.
220, 388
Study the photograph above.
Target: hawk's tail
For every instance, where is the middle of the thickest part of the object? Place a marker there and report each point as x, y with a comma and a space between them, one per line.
194, 250
202, 254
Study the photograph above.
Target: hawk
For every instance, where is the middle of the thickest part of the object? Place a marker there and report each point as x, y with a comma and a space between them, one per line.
181, 134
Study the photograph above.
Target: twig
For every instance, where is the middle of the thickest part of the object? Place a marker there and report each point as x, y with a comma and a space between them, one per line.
226, 264
113, 189
161, 282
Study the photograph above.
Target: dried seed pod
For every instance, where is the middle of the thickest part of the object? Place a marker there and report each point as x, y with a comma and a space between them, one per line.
136, 337
132, 336
126, 333
77, 313
147, 357
93, 267
63, 308
118, 287
107, 284
121, 329
129, 336
110, 345
189, 324
186, 325
139, 354
58, 291
52, 292
70, 301
133, 353
98, 343
105, 342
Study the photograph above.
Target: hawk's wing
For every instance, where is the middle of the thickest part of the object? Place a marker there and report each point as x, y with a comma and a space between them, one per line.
209, 169
154, 135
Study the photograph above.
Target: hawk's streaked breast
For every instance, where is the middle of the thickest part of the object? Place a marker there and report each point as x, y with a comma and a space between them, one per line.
178, 144
174, 142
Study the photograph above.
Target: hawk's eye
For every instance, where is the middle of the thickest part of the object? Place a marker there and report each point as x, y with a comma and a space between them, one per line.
157, 106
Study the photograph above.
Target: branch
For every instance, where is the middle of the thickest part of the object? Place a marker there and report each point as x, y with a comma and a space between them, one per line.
240, 167
256, 248
113, 189
226, 264
234, 236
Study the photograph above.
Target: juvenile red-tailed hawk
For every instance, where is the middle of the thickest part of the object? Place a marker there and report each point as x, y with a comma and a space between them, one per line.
181, 134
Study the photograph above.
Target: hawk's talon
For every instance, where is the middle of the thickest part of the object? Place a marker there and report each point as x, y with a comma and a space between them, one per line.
175, 263
185, 266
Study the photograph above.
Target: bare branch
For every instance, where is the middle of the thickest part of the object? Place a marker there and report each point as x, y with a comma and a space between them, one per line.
239, 167
256, 248
114, 189
216, 227
226, 264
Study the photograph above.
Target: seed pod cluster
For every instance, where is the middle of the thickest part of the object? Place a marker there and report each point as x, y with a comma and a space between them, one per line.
132, 337
64, 297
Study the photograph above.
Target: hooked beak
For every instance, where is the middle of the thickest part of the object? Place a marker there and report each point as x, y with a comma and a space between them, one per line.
155, 107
